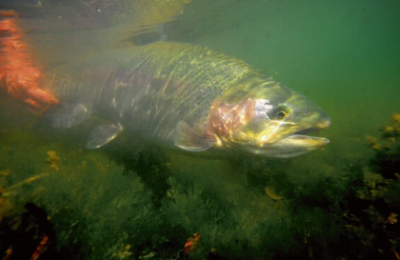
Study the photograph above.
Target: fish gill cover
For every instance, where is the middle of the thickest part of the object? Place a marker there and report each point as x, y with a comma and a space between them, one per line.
61, 201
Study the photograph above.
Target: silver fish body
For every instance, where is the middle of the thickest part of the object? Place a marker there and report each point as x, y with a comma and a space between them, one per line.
185, 96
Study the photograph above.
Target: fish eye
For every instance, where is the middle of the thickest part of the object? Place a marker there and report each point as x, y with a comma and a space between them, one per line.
281, 114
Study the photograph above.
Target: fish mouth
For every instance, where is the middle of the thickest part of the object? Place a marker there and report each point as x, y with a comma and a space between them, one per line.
305, 134
277, 131
290, 146
307, 131
275, 143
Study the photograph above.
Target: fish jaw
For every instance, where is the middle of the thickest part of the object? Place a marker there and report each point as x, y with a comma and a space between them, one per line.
291, 146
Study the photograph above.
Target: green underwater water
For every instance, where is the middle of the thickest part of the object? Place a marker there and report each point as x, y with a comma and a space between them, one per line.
344, 55
333, 203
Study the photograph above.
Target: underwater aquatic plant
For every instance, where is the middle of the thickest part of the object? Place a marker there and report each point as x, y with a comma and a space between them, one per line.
30, 236
96, 212
373, 203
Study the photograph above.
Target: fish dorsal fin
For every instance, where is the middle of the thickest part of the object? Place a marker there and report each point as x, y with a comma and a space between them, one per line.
188, 139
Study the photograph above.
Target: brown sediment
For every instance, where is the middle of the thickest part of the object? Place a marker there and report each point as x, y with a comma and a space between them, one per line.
18, 74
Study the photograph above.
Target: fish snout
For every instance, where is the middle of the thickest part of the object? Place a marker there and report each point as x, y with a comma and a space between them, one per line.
325, 123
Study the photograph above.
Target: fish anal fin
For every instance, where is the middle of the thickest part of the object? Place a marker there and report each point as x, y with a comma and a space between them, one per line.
102, 135
188, 139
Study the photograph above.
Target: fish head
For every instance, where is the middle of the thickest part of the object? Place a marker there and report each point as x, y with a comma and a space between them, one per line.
272, 121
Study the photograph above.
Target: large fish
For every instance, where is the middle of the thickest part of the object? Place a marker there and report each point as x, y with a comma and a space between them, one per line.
187, 97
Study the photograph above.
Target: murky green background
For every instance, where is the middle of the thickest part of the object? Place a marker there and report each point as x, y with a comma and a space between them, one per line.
333, 203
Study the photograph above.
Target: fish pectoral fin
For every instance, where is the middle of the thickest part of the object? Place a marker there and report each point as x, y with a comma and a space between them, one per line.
188, 139
103, 134
69, 115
